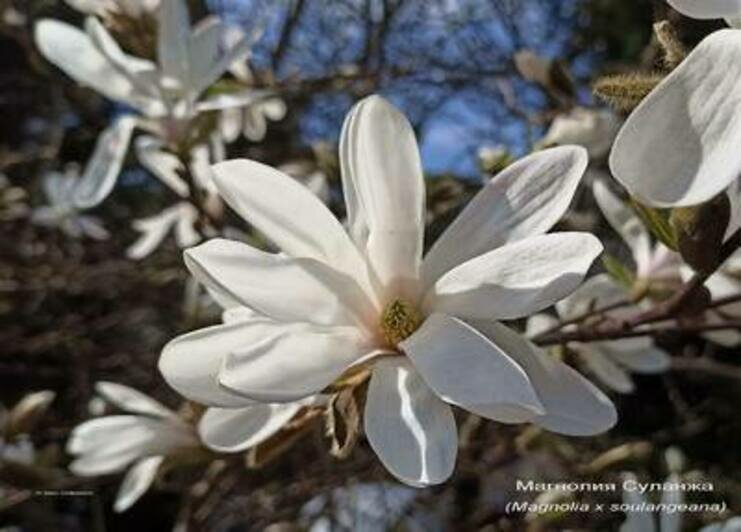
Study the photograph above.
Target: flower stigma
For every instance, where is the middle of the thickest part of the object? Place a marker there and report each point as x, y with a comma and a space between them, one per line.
399, 320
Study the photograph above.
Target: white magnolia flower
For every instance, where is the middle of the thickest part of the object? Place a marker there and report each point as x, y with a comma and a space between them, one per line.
679, 146
640, 518
168, 95
594, 129
180, 218
132, 8
610, 361
139, 440
655, 265
61, 212
335, 300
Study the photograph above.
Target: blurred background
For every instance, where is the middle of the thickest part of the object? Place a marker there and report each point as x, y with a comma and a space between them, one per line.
482, 81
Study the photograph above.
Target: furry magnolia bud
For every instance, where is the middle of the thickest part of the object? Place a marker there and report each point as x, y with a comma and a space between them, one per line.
700, 230
674, 51
625, 92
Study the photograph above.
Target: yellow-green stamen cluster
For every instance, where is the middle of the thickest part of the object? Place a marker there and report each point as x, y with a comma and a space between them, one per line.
399, 320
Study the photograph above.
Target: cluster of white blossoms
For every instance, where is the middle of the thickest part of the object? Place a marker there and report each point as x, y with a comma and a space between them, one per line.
338, 301
169, 101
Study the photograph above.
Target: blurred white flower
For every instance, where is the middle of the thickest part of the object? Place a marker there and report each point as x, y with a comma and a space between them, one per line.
61, 212
336, 299
656, 265
679, 146
132, 8
12, 17
13, 200
180, 218
638, 516
595, 129
610, 361
251, 121
139, 440
168, 95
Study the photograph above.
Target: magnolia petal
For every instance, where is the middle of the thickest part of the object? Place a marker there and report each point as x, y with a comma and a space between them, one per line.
131, 400
204, 46
466, 369
626, 223
647, 359
411, 430
105, 165
284, 288
93, 227
191, 363
707, 9
524, 200
186, 234
384, 189
596, 292
73, 51
517, 279
286, 212
679, 147
141, 72
573, 405
153, 232
173, 40
234, 430
89, 435
234, 52
136, 482
283, 363
601, 365
163, 165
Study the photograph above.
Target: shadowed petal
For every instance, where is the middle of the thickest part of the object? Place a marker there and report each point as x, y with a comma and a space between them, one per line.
573, 405
466, 369
409, 428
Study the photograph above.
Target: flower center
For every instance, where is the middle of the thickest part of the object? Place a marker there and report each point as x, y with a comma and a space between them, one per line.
399, 320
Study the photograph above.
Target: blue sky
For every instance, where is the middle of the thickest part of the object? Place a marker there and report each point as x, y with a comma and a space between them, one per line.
456, 120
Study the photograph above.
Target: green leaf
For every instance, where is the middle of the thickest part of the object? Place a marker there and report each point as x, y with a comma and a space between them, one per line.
657, 221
